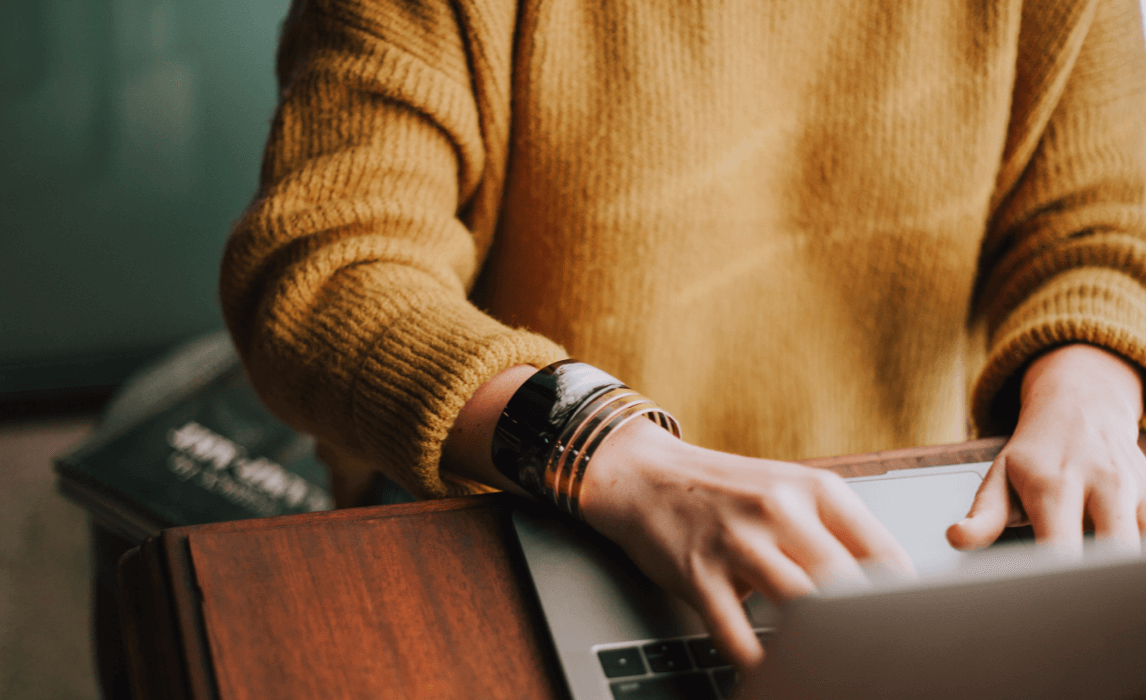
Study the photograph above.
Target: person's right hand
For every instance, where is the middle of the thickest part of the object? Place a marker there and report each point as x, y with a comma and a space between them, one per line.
711, 527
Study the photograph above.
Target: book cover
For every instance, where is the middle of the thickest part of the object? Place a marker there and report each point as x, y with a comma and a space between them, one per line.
198, 447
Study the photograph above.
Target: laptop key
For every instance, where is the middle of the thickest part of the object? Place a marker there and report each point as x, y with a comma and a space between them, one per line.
621, 662
665, 657
725, 682
705, 654
680, 686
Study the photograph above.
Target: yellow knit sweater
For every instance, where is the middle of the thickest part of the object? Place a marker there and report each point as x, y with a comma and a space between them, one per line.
804, 227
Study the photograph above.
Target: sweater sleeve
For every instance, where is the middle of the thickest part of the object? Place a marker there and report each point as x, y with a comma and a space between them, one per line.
345, 282
1065, 257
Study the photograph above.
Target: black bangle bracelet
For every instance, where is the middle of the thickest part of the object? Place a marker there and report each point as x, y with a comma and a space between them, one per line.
532, 420
550, 429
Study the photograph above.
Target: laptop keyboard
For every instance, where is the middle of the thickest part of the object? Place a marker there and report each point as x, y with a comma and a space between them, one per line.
689, 668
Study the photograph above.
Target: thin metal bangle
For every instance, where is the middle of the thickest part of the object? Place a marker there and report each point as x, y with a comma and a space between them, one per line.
651, 411
587, 432
575, 470
567, 445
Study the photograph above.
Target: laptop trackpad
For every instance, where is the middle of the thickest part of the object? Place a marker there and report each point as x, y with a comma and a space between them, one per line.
918, 509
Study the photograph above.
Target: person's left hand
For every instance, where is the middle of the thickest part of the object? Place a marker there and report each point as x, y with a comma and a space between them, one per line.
1073, 461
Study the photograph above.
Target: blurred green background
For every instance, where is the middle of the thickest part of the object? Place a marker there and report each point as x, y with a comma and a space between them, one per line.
131, 133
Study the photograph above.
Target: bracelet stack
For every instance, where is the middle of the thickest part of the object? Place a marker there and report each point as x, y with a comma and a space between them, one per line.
557, 420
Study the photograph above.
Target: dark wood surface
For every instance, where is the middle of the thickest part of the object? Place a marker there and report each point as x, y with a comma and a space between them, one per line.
419, 600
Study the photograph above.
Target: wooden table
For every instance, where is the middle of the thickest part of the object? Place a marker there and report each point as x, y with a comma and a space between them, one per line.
419, 600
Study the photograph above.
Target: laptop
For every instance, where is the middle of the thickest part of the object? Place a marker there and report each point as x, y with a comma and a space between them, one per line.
1013, 622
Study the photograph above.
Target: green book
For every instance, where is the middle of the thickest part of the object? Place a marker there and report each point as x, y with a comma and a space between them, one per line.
187, 442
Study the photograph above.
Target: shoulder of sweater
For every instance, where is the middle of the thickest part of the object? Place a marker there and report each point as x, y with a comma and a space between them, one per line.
464, 40
421, 22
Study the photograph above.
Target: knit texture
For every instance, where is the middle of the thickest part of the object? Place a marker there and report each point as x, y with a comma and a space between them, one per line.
804, 227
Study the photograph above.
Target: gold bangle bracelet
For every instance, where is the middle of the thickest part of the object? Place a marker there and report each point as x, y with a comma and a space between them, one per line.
650, 411
567, 444
572, 495
588, 428
588, 431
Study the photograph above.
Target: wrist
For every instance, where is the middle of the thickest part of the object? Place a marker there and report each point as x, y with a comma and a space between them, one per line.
466, 450
556, 423
619, 473
1081, 376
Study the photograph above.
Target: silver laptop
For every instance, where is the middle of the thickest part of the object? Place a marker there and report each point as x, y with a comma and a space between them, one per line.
1013, 622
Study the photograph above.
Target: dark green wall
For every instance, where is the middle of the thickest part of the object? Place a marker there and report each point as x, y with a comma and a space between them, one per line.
130, 139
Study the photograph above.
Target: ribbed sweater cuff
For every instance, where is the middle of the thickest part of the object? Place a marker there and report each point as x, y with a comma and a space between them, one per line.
1089, 305
413, 384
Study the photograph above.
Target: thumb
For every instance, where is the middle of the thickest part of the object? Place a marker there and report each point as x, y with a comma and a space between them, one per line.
988, 515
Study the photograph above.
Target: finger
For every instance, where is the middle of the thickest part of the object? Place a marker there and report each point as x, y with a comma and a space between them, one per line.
724, 617
1114, 513
1055, 508
818, 552
861, 533
989, 511
768, 570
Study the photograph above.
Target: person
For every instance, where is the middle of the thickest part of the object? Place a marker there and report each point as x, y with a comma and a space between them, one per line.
804, 228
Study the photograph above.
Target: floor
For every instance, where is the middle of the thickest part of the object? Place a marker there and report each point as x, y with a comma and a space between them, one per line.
45, 648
